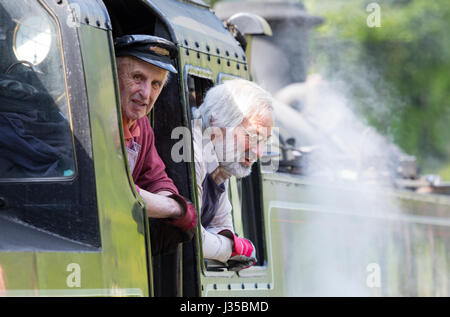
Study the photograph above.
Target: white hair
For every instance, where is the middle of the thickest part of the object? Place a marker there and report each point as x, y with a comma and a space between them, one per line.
228, 104
122, 60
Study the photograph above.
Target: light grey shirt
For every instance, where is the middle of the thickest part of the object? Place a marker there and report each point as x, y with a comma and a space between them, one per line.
215, 246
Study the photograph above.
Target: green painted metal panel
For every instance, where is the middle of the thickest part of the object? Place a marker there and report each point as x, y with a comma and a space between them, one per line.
122, 216
119, 266
328, 239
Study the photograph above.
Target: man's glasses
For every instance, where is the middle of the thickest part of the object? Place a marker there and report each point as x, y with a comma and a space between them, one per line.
255, 138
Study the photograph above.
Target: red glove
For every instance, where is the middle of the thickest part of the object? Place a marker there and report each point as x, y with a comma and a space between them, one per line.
244, 253
189, 219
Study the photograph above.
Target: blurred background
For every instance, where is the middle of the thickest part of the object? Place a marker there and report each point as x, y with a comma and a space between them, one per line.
395, 70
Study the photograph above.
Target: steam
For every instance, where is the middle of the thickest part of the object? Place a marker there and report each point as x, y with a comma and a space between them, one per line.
342, 145
352, 166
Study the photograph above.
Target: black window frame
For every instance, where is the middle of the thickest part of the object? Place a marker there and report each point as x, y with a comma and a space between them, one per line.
64, 210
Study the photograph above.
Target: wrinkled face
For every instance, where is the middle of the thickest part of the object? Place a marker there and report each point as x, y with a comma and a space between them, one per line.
140, 84
249, 139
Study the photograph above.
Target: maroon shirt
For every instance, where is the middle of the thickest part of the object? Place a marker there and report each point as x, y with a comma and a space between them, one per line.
149, 172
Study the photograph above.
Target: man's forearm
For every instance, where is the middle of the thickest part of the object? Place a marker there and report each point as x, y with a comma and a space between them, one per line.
220, 175
160, 206
216, 247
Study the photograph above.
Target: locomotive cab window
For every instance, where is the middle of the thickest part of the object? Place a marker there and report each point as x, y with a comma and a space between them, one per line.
250, 196
198, 82
136, 17
247, 201
44, 205
168, 113
35, 132
244, 194
197, 87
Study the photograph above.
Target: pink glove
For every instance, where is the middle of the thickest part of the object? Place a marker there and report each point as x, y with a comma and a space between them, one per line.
244, 253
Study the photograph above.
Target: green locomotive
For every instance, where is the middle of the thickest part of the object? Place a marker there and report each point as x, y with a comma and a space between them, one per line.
79, 228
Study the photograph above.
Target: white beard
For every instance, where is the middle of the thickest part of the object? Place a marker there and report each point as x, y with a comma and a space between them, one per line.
236, 169
230, 160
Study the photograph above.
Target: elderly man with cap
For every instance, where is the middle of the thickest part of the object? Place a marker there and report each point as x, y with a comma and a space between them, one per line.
231, 127
143, 64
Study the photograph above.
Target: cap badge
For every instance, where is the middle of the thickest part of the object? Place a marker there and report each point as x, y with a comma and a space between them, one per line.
159, 50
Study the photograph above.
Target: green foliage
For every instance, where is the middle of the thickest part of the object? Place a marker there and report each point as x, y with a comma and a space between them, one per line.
406, 61
398, 72
445, 172
211, 2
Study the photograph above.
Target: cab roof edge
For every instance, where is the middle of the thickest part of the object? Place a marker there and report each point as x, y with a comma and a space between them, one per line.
198, 2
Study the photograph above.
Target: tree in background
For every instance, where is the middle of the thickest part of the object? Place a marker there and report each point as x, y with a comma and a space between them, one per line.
211, 2
397, 71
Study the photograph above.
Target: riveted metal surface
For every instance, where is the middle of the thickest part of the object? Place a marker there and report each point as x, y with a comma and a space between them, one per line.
196, 28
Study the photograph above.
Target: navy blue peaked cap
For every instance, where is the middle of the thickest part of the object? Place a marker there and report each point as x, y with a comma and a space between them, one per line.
151, 49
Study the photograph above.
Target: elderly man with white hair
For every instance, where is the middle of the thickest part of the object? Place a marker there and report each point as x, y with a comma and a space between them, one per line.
234, 122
